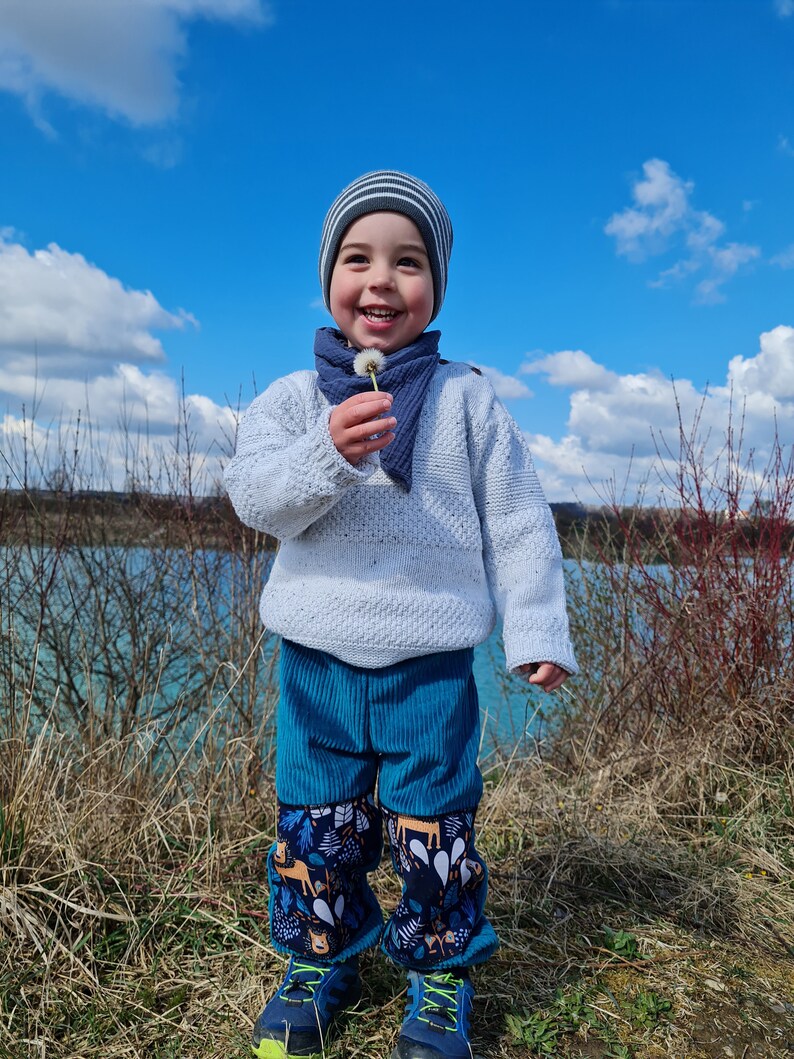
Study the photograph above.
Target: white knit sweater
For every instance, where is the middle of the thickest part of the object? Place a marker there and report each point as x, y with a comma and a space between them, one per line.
374, 575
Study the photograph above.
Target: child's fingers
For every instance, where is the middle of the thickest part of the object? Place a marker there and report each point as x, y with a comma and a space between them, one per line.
362, 406
358, 425
548, 676
363, 448
363, 431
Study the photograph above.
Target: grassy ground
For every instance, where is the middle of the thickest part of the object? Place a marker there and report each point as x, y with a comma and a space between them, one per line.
645, 908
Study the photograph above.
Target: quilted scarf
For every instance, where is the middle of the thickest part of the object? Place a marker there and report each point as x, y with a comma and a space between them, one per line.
406, 376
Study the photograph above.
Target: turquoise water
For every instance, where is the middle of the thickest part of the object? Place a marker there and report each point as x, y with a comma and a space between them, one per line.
131, 636
512, 711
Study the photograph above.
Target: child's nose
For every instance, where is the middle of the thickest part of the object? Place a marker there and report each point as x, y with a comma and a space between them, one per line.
381, 277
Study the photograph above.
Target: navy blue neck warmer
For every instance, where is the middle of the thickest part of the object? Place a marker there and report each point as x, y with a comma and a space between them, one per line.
406, 376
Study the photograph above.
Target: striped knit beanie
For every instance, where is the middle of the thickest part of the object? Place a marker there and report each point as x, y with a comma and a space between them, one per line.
387, 189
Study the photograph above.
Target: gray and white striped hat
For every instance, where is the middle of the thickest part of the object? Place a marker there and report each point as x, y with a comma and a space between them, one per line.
387, 189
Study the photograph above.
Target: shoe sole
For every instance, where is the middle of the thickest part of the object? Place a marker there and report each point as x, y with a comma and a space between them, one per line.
269, 1049
273, 1049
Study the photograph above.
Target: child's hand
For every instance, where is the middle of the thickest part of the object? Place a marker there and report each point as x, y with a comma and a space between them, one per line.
354, 421
545, 674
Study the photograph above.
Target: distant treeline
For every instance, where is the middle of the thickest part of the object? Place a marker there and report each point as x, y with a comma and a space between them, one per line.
93, 517
672, 534
133, 519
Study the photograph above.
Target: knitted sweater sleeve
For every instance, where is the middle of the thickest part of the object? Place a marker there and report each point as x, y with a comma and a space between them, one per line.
521, 550
286, 471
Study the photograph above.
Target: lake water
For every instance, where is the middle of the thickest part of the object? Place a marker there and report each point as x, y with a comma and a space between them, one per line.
117, 626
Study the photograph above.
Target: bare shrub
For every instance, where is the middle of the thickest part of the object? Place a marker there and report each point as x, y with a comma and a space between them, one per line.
685, 623
129, 610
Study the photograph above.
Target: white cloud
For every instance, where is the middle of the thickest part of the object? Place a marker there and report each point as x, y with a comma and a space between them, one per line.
771, 371
613, 417
725, 263
662, 208
571, 367
115, 450
784, 144
164, 154
663, 219
784, 8
624, 429
59, 310
507, 387
785, 259
122, 56
569, 470
74, 341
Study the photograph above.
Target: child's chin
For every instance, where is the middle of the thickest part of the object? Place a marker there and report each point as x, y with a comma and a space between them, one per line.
372, 342
389, 345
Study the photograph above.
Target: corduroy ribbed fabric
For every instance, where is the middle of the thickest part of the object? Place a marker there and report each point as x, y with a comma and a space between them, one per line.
395, 192
413, 727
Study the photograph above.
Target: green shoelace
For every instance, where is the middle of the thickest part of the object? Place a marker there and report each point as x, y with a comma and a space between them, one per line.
443, 986
309, 985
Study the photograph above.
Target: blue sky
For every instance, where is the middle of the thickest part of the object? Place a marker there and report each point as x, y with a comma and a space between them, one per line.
619, 173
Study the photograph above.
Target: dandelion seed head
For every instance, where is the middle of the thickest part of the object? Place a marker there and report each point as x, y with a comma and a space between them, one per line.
369, 362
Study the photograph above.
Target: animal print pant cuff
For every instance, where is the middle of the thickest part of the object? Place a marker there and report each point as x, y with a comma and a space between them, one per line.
320, 902
439, 921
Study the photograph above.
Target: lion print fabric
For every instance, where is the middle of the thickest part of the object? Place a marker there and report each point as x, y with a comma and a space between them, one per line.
439, 920
320, 902
321, 905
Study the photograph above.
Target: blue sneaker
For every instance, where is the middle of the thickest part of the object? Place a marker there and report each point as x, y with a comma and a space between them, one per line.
436, 1024
295, 1022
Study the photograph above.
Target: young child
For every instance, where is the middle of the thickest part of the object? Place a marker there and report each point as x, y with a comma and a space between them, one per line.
408, 514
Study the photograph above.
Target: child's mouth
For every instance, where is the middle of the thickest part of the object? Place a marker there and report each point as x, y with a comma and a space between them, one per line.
379, 316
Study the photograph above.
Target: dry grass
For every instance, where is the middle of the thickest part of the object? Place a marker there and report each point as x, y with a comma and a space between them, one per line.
132, 908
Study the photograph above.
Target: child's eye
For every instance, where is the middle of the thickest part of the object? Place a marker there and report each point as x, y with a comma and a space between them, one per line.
355, 259
408, 262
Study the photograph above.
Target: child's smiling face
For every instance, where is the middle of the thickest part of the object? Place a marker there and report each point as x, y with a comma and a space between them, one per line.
381, 285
